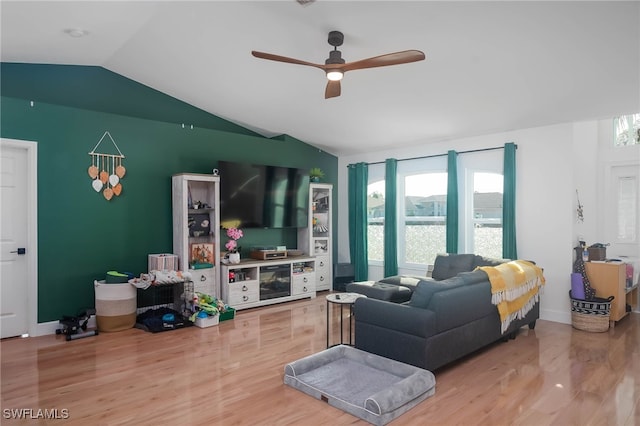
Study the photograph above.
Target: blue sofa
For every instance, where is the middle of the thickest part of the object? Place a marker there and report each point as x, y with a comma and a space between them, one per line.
448, 316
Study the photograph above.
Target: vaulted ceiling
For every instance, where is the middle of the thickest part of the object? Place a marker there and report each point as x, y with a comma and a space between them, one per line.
490, 66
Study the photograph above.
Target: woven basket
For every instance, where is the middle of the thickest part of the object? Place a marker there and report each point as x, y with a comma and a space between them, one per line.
591, 315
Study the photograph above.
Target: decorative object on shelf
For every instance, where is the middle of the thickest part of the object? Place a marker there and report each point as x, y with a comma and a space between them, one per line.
315, 174
106, 170
579, 210
200, 205
162, 261
319, 227
233, 254
201, 255
199, 225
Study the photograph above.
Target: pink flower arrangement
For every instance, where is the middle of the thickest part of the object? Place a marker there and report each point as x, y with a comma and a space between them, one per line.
235, 234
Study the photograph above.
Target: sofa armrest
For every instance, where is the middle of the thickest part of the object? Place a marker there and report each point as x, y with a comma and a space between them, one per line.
402, 318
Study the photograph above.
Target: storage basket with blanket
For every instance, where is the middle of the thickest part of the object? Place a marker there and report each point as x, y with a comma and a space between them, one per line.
590, 315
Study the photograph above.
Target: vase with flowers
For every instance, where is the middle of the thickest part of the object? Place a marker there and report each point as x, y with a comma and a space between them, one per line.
233, 250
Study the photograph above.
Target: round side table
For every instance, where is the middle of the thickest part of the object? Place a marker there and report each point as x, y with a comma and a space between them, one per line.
342, 299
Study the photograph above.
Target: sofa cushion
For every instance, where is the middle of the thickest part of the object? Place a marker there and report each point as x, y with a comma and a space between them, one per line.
488, 261
381, 291
473, 277
425, 289
462, 305
410, 281
450, 265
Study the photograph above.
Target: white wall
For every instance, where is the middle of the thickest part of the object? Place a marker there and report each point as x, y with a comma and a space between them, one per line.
586, 177
551, 162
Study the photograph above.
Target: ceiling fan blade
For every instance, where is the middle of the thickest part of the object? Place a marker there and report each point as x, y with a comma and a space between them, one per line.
332, 90
279, 58
397, 58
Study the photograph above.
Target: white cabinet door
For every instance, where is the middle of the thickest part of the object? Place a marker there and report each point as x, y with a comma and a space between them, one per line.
323, 273
204, 280
303, 284
243, 292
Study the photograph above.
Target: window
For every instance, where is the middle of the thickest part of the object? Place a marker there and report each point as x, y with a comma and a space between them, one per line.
627, 130
627, 208
375, 214
485, 237
424, 208
375, 220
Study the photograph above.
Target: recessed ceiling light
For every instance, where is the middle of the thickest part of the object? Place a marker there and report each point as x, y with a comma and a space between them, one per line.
76, 32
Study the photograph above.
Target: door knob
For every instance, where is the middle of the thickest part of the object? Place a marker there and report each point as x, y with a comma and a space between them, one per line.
21, 250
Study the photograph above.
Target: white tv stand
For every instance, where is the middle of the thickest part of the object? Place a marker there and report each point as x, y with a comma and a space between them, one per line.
252, 283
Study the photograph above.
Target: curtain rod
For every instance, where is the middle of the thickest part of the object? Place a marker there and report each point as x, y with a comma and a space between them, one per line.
443, 155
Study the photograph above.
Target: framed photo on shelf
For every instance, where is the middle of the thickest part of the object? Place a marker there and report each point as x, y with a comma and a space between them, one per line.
201, 253
199, 225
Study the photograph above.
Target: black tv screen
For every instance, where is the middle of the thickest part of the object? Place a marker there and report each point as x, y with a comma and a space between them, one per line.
262, 196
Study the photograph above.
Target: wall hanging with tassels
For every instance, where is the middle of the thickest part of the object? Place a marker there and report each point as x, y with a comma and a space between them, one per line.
106, 170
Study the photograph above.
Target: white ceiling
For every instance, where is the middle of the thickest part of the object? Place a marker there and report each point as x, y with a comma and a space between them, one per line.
490, 67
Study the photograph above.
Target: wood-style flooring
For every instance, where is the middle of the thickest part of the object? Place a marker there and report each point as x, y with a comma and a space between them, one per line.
232, 374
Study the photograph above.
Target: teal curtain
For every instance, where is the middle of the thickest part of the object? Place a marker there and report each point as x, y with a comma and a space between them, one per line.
452, 202
358, 181
390, 218
509, 203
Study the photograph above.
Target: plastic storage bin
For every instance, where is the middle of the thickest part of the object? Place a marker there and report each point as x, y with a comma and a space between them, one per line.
229, 314
209, 321
115, 306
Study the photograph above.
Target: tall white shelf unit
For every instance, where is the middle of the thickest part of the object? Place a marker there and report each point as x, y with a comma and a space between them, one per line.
317, 238
187, 189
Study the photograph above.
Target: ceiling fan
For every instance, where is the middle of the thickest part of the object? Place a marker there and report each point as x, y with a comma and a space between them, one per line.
335, 66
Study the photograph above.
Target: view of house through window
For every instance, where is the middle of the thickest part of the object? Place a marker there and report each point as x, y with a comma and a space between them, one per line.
424, 211
486, 221
375, 219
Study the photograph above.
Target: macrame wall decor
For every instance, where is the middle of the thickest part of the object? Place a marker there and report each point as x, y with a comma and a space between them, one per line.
579, 210
106, 170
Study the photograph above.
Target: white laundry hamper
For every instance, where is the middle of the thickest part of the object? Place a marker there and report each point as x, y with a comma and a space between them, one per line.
115, 306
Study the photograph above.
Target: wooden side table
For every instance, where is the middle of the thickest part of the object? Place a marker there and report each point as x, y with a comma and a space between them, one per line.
342, 299
609, 279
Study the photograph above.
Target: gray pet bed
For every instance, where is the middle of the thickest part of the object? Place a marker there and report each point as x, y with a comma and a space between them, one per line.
368, 386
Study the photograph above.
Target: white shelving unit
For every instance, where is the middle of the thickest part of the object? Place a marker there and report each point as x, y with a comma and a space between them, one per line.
196, 228
317, 238
252, 283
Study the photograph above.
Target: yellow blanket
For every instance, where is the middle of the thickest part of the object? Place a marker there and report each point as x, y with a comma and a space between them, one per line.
514, 289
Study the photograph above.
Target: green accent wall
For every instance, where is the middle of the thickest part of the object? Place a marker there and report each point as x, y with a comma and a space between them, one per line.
97, 89
81, 235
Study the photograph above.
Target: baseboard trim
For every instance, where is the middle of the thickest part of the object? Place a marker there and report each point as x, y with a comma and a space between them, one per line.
555, 316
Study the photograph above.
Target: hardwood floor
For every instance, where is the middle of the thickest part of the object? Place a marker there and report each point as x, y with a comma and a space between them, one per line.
232, 374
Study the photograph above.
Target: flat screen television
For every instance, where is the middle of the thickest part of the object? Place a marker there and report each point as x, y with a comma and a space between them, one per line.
263, 196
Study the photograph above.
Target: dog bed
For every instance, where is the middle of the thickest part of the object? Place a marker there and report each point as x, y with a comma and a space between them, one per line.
368, 386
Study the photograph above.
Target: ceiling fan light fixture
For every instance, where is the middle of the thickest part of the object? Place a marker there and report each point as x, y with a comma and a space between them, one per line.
335, 67
335, 75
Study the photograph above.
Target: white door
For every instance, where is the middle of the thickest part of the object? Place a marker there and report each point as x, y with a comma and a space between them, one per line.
14, 264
